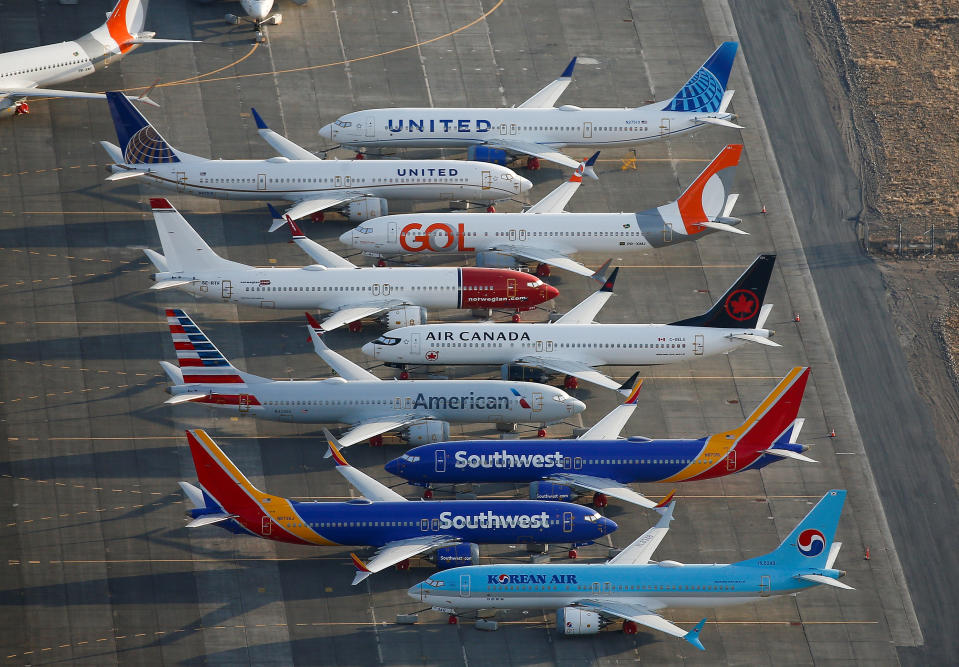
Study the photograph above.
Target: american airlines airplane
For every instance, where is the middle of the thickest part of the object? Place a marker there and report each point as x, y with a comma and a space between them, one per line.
28, 72
312, 185
370, 406
633, 588
539, 129
398, 529
547, 234
575, 344
332, 283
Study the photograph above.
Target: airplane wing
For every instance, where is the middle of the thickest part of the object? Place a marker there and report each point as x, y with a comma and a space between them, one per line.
345, 368
644, 615
642, 548
315, 204
392, 553
50, 92
536, 150
322, 256
575, 368
281, 144
547, 256
366, 485
376, 426
586, 310
605, 486
555, 201
546, 98
352, 313
610, 426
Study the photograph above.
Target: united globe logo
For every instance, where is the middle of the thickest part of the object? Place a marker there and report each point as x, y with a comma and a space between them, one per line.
148, 147
702, 92
811, 542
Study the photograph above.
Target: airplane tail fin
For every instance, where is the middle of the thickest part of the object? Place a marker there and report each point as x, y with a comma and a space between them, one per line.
706, 88
740, 306
183, 248
773, 415
201, 363
705, 200
811, 545
140, 143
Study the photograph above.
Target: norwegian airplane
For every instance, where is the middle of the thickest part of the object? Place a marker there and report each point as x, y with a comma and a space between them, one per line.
547, 234
424, 409
404, 294
398, 529
604, 464
539, 129
633, 588
28, 72
575, 344
313, 185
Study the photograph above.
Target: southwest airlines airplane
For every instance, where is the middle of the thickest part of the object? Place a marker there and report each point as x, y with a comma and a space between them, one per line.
371, 406
599, 462
358, 187
539, 129
546, 233
332, 283
381, 518
633, 588
575, 344
28, 72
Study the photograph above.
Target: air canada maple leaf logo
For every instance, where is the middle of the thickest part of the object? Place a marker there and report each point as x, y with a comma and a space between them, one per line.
741, 305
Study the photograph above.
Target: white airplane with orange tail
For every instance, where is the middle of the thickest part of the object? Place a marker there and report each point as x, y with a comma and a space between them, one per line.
25, 73
547, 234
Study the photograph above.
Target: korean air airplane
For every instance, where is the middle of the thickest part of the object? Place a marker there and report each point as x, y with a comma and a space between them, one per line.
547, 234
397, 528
539, 129
599, 462
575, 344
632, 588
404, 293
28, 72
424, 409
357, 187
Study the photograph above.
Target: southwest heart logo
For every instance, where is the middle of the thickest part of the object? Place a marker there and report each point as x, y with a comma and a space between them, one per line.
741, 305
432, 355
811, 542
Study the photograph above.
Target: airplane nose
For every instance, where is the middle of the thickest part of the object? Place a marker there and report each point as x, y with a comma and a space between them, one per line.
551, 292
346, 238
607, 526
368, 351
327, 132
393, 467
415, 592
525, 185
575, 405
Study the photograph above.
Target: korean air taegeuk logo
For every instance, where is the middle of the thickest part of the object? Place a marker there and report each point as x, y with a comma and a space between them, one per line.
811, 542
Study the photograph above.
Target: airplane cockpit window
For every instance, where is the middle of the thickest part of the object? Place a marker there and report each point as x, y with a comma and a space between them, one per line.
387, 340
365, 230
342, 123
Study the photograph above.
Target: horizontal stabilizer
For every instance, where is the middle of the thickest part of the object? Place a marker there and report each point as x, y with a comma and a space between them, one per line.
184, 398
281, 144
789, 454
158, 260
720, 121
207, 519
607, 487
123, 175
194, 495
721, 227
753, 338
167, 284
827, 581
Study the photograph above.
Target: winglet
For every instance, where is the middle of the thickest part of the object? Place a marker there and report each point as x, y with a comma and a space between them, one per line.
316, 326
599, 274
295, 231
693, 635
588, 168
665, 501
632, 385
260, 125
334, 449
568, 72
278, 219
362, 571
608, 285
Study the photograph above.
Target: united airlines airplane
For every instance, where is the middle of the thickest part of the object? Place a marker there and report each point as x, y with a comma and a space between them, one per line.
538, 129
397, 528
632, 588
358, 187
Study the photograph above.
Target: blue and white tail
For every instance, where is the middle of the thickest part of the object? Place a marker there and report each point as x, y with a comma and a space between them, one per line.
706, 88
809, 545
140, 143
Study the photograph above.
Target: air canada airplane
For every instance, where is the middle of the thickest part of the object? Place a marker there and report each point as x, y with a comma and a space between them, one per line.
575, 344
313, 185
538, 129
599, 462
424, 409
633, 588
332, 283
29, 72
397, 528
546, 233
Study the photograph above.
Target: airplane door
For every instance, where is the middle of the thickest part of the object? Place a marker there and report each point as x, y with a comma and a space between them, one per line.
549, 346
226, 289
502, 128
397, 403
370, 123
765, 587
180, 181
578, 463
261, 181
512, 128
338, 182
244, 402
667, 233
266, 524
537, 401
664, 126
698, 344
440, 460
346, 181
487, 180
587, 130
414, 343
375, 288
464, 585
391, 233
511, 234
567, 463
522, 234
387, 288
731, 461
511, 288
539, 346
567, 522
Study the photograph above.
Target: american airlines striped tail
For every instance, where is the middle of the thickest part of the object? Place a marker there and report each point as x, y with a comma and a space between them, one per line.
200, 361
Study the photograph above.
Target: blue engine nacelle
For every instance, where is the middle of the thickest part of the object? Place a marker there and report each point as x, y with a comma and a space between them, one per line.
551, 491
487, 154
457, 555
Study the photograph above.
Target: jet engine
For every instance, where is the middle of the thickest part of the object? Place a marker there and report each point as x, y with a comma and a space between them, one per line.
456, 556
427, 433
551, 491
496, 260
576, 621
407, 316
366, 208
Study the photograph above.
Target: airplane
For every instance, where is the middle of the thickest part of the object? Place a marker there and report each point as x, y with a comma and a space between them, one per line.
547, 234
632, 587
424, 409
26, 72
397, 528
575, 344
359, 187
332, 283
539, 129
599, 462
